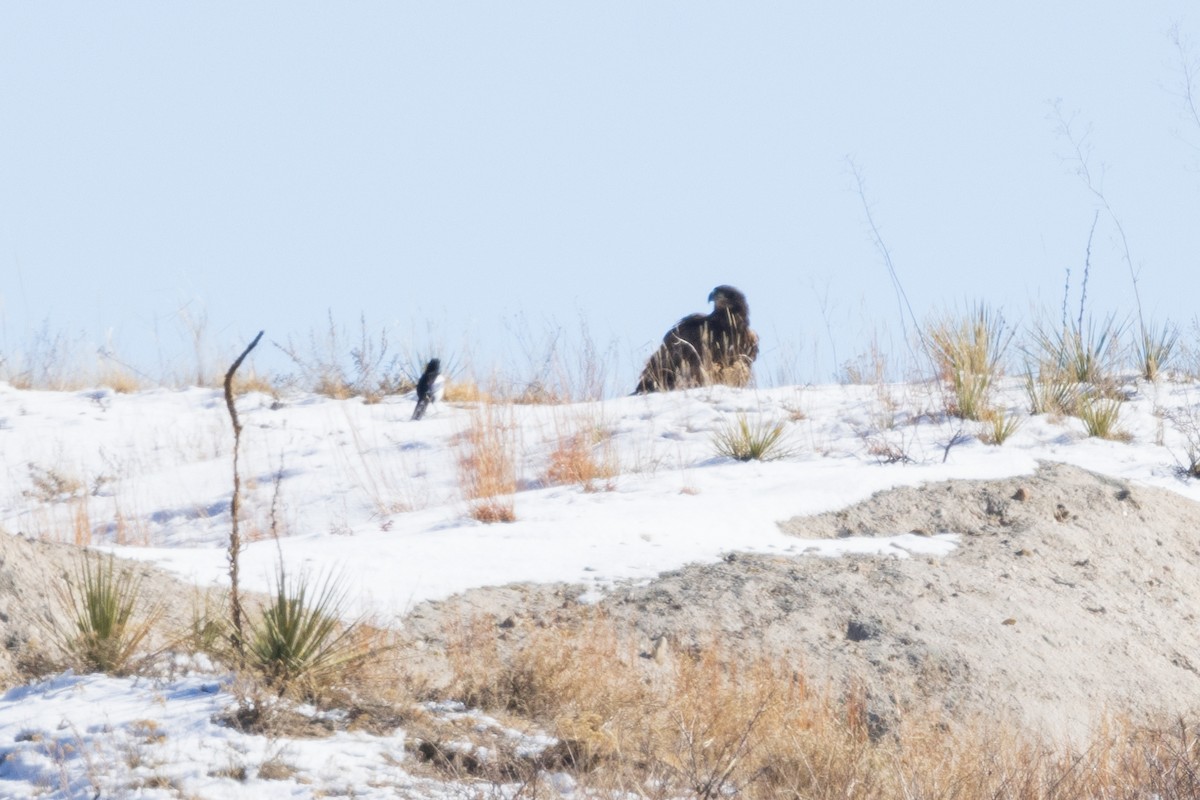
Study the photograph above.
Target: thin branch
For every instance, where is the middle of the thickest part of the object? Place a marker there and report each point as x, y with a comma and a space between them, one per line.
1084, 173
235, 542
1189, 69
1087, 269
877, 239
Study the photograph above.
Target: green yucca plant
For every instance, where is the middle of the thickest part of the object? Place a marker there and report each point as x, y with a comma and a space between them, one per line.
1155, 346
998, 425
1050, 395
1083, 353
1100, 416
102, 604
299, 640
746, 441
968, 353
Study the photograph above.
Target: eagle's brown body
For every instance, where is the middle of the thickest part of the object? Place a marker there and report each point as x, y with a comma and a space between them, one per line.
705, 349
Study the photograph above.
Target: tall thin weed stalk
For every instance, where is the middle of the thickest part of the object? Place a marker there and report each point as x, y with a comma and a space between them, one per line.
487, 465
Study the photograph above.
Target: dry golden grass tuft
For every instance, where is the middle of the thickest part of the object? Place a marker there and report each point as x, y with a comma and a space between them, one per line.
120, 380
705, 722
1101, 417
582, 454
487, 465
253, 381
81, 523
997, 426
967, 352
464, 390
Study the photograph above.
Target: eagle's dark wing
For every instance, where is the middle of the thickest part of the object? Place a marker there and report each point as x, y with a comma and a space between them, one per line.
677, 362
705, 349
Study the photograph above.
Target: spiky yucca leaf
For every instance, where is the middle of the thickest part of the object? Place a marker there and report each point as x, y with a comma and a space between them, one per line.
746, 441
968, 351
1155, 346
105, 633
299, 640
1100, 416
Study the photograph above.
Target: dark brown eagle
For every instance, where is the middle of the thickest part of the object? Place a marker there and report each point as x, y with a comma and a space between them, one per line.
705, 349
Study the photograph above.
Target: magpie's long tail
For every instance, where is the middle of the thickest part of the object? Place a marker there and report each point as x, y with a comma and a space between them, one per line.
419, 411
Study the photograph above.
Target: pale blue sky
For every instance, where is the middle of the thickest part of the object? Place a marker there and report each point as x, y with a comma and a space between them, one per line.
465, 170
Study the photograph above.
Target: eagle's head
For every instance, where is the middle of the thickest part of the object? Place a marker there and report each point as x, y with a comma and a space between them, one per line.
727, 298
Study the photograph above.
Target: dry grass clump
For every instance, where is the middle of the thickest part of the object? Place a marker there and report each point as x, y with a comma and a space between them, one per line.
487, 465
998, 426
1100, 416
704, 723
120, 379
464, 390
52, 484
252, 381
968, 352
582, 455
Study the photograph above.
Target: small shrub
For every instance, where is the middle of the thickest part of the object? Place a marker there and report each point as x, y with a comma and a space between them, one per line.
298, 641
968, 352
746, 441
998, 425
1186, 421
101, 603
336, 367
50, 485
582, 454
887, 448
1100, 416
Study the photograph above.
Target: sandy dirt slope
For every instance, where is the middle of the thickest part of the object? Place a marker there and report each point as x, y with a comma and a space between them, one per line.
1070, 594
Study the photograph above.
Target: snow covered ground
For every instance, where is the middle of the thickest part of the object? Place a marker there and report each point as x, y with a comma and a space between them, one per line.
362, 491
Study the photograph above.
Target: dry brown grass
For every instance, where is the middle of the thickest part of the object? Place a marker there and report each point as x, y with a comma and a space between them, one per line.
705, 723
120, 380
253, 381
464, 390
487, 465
967, 350
582, 455
81, 523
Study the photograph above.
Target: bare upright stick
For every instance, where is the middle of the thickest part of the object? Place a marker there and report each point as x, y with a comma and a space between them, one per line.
235, 543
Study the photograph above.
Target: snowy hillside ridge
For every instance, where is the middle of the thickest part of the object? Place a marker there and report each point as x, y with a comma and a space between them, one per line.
364, 490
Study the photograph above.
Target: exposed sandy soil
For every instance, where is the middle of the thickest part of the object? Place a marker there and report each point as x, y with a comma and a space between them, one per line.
1070, 594
32, 612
